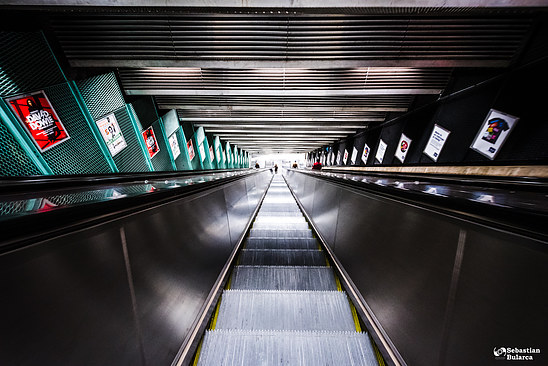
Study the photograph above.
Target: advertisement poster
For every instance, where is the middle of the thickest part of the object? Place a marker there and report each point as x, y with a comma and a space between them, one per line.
150, 141
380, 151
365, 153
436, 141
174, 144
403, 147
202, 151
345, 156
211, 154
493, 132
190, 148
112, 134
39, 119
338, 160
354, 155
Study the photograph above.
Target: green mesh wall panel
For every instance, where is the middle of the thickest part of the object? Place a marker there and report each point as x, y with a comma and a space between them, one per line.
26, 63
80, 154
101, 94
161, 161
131, 158
13, 160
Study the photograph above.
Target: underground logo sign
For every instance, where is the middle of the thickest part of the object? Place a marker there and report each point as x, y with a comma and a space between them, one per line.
515, 353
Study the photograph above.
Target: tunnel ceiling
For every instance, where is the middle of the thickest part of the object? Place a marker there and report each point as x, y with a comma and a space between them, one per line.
286, 79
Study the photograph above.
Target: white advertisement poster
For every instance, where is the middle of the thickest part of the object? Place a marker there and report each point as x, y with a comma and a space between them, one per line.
111, 134
403, 147
436, 141
380, 151
174, 144
493, 132
202, 152
365, 153
345, 156
354, 155
338, 160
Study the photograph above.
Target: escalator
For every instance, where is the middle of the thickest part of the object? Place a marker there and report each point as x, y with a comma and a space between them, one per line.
283, 304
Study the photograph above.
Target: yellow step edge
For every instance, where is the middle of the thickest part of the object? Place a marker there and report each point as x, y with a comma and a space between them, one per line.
195, 363
355, 316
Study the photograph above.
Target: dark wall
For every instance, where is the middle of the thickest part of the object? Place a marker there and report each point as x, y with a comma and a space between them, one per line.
126, 292
445, 290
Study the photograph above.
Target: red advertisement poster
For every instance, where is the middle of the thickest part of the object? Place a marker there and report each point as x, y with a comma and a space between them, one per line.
190, 149
39, 119
150, 141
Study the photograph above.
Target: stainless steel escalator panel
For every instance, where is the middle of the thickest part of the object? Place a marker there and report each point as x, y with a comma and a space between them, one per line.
281, 243
283, 278
285, 310
268, 348
282, 257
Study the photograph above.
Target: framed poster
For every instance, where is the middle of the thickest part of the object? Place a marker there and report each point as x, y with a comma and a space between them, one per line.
436, 141
365, 153
381, 150
202, 151
211, 154
493, 132
354, 155
150, 141
338, 159
112, 134
39, 119
403, 147
190, 148
345, 156
174, 145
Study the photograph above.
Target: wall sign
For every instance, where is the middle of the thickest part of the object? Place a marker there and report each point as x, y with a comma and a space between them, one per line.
403, 147
354, 155
380, 151
202, 152
174, 145
39, 119
493, 132
150, 141
345, 157
190, 148
338, 159
436, 141
112, 134
365, 153
211, 154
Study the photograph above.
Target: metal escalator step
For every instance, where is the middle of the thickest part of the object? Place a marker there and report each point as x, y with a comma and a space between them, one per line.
283, 278
285, 310
274, 348
281, 243
282, 257
262, 219
267, 233
286, 214
280, 225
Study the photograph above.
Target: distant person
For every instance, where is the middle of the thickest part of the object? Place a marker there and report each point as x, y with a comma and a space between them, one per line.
257, 166
317, 165
295, 165
276, 169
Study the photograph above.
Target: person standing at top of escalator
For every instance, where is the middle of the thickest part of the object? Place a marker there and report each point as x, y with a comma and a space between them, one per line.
275, 168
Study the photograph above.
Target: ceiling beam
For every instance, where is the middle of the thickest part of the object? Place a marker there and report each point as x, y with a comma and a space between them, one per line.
282, 92
279, 109
341, 120
244, 126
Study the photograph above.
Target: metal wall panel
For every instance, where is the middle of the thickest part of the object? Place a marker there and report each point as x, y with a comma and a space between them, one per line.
446, 291
67, 302
238, 209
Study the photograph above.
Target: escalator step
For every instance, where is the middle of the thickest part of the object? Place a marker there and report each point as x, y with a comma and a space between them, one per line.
280, 207
278, 220
272, 348
282, 257
272, 225
266, 233
283, 278
285, 310
281, 243
286, 214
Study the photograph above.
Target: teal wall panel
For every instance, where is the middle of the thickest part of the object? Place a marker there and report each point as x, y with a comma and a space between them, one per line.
131, 158
101, 94
162, 160
13, 159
